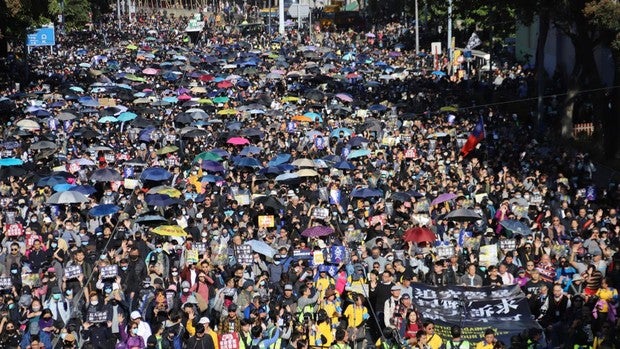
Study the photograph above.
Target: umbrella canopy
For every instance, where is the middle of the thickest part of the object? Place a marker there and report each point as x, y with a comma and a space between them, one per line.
443, 198
317, 231
155, 174
43, 145
106, 175
161, 200
169, 230
463, 215
167, 149
304, 162
51, 181
516, 226
212, 166
67, 197
358, 153
238, 141
84, 189
262, 248
151, 219
208, 155
279, 159
11, 162
269, 201
419, 234
363, 193
103, 210
166, 190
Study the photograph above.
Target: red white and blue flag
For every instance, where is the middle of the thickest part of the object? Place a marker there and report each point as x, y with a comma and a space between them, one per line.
475, 137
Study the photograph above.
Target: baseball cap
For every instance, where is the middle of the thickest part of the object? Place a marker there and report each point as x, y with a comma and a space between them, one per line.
135, 315
288, 287
204, 320
395, 288
577, 240
405, 296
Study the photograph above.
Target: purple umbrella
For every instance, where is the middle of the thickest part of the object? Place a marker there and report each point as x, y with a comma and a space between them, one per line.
212, 166
317, 231
443, 198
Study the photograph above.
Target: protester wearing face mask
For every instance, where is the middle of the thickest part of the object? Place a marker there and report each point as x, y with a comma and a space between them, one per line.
10, 337
158, 261
58, 305
130, 336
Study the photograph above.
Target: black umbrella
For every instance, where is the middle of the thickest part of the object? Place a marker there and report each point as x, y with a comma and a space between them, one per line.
269, 201
12, 171
463, 215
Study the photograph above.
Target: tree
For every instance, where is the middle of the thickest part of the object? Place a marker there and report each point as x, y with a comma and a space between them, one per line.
604, 15
76, 13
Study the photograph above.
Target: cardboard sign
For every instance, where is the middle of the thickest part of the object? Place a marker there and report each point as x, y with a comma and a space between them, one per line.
9, 216
107, 102
229, 340
334, 196
320, 213
411, 153
73, 271
201, 247
444, 252
98, 316
318, 258
266, 221
338, 254
191, 256
378, 219
14, 229
488, 255
508, 244
323, 194
243, 253
130, 184
5, 283
299, 254
243, 199
109, 271
30, 279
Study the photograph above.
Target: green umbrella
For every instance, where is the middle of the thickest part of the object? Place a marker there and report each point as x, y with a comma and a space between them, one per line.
222, 99
207, 155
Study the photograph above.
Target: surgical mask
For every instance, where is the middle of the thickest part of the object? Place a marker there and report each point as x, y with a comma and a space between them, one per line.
63, 335
35, 309
54, 245
94, 302
13, 271
69, 292
124, 268
158, 250
108, 290
186, 290
175, 273
56, 296
134, 331
33, 219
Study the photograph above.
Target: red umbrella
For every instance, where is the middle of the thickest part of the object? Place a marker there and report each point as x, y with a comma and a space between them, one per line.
238, 141
419, 234
224, 84
206, 77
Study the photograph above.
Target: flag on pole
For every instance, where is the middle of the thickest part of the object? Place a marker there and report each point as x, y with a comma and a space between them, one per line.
475, 137
473, 42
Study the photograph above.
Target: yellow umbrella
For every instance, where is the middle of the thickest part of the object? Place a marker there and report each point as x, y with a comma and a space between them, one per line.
169, 230
167, 190
227, 112
131, 47
167, 149
290, 99
449, 108
199, 89
205, 101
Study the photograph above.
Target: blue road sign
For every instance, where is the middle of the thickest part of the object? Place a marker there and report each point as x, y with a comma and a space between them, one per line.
43, 36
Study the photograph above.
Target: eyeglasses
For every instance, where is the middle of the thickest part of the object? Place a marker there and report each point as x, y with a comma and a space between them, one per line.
14, 249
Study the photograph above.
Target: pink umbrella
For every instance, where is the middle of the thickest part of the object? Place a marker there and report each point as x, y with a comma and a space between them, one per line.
150, 71
238, 141
344, 97
184, 97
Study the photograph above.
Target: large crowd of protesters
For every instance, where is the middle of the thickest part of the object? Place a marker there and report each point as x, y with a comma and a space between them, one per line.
166, 191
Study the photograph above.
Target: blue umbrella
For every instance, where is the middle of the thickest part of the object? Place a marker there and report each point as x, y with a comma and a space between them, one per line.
344, 165
63, 187
84, 189
247, 162
161, 200
221, 152
11, 162
279, 159
286, 177
145, 135
210, 178
314, 116
262, 247
105, 175
250, 149
212, 166
51, 181
377, 107
358, 153
357, 141
276, 169
126, 116
103, 210
364, 193
332, 158
88, 102
155, 174
438, 73
336, 132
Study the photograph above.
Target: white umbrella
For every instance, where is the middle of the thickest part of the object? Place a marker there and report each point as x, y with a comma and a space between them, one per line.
67, 197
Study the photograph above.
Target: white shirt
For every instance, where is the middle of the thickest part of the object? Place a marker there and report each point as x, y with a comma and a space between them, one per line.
144, 330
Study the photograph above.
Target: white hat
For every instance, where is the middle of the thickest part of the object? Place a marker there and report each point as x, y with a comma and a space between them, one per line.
204, 320
290, 193
135, 315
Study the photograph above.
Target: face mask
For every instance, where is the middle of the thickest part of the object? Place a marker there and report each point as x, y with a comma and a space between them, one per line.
54, 245
124, 268
186, 290
56, 296
108, 290
35, 309
175, 273
69, 292
94, 302
134, 258
63, 335
158, 250
13, 271
12, 306
134, 331
33, 220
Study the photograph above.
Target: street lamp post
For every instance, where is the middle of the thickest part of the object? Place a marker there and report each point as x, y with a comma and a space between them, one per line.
417, 29
449, 46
